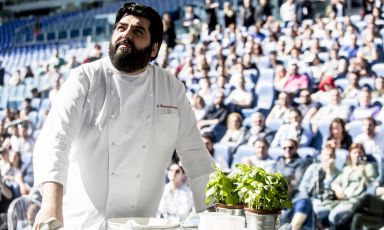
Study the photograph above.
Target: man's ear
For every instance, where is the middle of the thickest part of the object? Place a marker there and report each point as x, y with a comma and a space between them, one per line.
155, 49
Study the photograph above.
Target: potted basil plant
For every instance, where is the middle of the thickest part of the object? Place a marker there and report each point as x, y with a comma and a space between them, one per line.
264, 194
222, 189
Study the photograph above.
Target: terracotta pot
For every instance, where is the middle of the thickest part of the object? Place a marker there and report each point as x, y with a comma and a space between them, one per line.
235, 210
262, 219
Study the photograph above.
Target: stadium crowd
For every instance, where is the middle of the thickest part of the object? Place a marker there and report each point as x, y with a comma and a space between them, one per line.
302, 96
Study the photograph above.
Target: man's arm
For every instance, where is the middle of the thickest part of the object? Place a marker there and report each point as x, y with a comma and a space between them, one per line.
51, 206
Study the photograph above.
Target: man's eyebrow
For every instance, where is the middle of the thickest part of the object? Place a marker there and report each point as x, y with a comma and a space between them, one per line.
135, 26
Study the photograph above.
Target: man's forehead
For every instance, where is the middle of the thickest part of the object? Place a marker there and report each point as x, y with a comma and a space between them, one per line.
135, 20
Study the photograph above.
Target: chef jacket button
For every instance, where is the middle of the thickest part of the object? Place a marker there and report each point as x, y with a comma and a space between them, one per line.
113, 174
113, 116
144, 146
112, 91
132, 206
138, 175
148, 118
114, 144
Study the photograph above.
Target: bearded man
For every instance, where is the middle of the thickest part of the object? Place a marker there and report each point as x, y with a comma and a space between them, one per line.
112, 130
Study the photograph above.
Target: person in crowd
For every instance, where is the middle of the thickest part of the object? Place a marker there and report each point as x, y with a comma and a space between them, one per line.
295, 80
378, 91
352, 182
280, 110
176, 201
263, 11
287, 12
293, 130
216, 113
229, 14
365, 107
370, 138
332, 110
210, 10
88, 116
260, 158
367, 211
239, 98
291, 165
246, 14
198, 105
352, 89
338, 135
234, 136
315, 191
258, 130
219, 159
306, 106
169, 31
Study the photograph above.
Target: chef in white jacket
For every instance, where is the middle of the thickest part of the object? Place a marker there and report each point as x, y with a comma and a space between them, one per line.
112, 130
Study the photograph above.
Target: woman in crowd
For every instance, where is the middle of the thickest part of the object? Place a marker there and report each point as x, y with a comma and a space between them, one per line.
338, 135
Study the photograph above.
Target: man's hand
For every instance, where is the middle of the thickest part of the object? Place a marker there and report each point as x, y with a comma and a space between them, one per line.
51, 206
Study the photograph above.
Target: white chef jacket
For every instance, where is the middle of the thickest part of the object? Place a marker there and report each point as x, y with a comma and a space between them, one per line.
111, 161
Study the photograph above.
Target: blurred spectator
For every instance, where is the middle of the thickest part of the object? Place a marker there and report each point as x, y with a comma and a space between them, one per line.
27, 72
369, 138
220, 161
210, 10
198, 106
280, 110
234, 136
169, 31
351, 48
352, 89
15, 79
246, 14
6, 197
331, 110
303, 10
72, 63
306, 106
56, 60
379, 88
2, 73
293, 130
315, 190
365, 107
258, 130
295, 81
287, 12
338, 135
291, 165
94, 54
352, 182
260, 158
229, 14
216, 113
176, 202
190, 20
239, 98
263, 11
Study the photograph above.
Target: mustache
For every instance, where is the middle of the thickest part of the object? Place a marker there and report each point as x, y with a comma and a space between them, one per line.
126, 41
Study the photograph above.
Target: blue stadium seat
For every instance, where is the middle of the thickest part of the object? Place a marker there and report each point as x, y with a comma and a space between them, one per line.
242, 151
355, 128
222, 149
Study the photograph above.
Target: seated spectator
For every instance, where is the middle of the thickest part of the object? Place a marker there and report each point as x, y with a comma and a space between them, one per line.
351, 48
216, 113
198, 106
335, 66
7, 194
370, 139
365, 107
205, 90
281, 108
293, 130
235, 133
306, 106
379, 87
338, 135
367, 211
176, 202
295, 81
220, 161
258, 130
315, 190
359, 65
352, 90
332, 110
239, 98
280, 77
261, 157
369, 49
352, 182
291, 165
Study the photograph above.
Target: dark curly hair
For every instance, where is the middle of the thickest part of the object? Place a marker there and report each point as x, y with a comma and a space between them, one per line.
140, 10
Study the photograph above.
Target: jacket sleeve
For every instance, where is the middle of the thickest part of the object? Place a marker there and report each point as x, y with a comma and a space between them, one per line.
196, 160
50, 158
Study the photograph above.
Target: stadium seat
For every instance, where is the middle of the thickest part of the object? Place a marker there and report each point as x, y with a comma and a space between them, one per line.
222, 149
242, 151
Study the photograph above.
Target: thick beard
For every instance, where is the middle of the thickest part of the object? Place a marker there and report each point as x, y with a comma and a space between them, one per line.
129, 62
